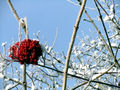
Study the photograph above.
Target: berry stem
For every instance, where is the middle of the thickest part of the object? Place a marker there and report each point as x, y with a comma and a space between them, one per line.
24, 65
24, 77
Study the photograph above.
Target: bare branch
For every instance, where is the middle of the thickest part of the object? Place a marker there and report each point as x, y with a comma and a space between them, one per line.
72, 43
13, 10
110, 51
115, 23
16, 81
95, 77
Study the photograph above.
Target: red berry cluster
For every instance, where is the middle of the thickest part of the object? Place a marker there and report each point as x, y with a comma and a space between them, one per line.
27, 51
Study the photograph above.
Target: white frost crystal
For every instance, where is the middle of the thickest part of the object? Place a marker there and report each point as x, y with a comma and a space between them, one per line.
106, 18
33, 87
8, 87
4, 43
1, 75
114, 44
111, 8
21, 66
70, 71
101, 45
93, 42
43, 48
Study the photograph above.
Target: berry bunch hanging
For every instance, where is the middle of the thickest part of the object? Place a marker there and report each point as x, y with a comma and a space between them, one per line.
27, 51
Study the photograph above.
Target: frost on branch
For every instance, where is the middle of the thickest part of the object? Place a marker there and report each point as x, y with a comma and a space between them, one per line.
3, 44
10, 86
33, 53
2, 63
90, 59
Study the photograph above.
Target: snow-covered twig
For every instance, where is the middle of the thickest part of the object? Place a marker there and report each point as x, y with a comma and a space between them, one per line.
116, 24
25, 27
16, 81
110, 47
95, 77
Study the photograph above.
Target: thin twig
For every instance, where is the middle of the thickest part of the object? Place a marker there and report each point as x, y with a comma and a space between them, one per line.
78, 77
30, 78
26, 28
117, 50
95, 77
15, 85
54, 41
76, 4
100, 36
98, 31
71, 44
24, 65
13, 10
24, 25
117, 25
16, 81
16, 15
24, 77
88, 84
111, 51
